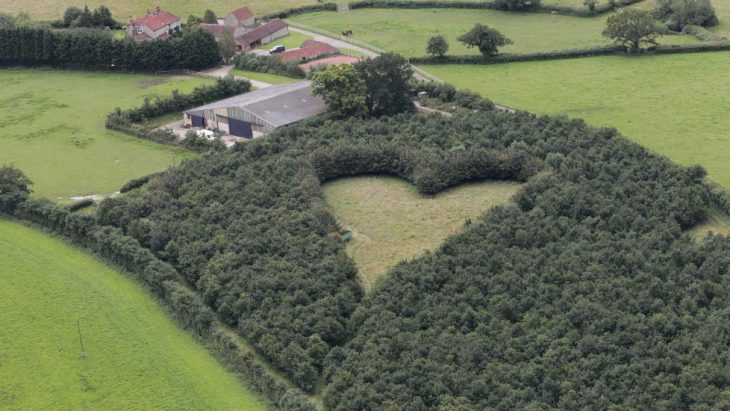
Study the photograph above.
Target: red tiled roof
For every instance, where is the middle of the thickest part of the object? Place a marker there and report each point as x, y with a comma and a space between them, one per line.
157, 21
310, 49
217, 29
242, 14
262, 31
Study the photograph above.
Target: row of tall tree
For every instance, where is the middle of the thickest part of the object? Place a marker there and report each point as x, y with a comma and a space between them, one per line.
98, 50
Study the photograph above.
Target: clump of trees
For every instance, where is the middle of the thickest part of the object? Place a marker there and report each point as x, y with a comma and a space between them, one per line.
14, 188
386, 84
97, 50
631, 27
485, 38
678, 14
437, 46
268, 64
76, 17
342, 88
378, 87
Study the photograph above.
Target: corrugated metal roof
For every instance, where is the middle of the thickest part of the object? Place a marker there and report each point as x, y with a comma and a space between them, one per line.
277, 105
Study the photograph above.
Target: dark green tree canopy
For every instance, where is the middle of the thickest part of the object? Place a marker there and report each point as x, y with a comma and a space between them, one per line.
678, 14
437, 46
485, 38
386, 82
342, 89
631, 27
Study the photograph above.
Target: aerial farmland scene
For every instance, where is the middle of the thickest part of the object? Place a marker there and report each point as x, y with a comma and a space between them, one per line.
375, 205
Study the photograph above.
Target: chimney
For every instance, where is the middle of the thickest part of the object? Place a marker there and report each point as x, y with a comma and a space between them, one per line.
148, 12
158, 10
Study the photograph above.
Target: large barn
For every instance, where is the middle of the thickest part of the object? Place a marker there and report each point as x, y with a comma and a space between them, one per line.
259, 112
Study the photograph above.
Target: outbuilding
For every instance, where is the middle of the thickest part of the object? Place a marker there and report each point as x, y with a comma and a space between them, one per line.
259, 112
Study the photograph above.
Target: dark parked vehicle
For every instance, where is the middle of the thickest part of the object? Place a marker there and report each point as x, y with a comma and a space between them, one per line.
277, 49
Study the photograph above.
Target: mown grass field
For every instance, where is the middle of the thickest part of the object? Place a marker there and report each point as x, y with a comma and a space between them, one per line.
676, 105
52, 127
135, 356
122, 9
407, 31
392, 222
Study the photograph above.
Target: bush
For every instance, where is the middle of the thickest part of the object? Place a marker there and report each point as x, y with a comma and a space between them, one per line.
679, 14
136, 183
81, 204
14, 188
268, 64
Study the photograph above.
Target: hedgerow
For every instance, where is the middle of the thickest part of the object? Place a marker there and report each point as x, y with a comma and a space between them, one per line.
268, 64
90, 49
300, 10
132, 121
479, 5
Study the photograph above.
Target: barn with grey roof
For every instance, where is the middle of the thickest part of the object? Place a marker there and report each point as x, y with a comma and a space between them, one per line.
258, 112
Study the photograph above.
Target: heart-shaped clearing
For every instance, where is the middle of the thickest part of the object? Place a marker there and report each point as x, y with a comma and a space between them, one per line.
392, 222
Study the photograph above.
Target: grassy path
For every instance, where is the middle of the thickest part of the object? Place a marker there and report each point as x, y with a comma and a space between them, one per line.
135, 356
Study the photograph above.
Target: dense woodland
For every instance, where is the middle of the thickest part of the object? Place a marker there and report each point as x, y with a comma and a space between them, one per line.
584, 293
93, 49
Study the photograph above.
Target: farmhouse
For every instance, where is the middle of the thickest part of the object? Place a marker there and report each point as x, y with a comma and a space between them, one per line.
156, 25
309, 50
217, 30
264, 34
259, 112
242, 17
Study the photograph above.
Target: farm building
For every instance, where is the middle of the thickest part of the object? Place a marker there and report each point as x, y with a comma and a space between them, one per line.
264, 34
259, 112
217, 30
242, 17
309, 50
156, 25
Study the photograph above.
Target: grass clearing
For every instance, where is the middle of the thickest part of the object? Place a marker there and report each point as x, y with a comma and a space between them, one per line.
265, 77
392, 222
135, 356
407, 31
717, 222
676, 105
292, 41
52, 127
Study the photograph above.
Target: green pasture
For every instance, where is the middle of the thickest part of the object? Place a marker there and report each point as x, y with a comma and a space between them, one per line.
407, 31
392, 222
676, 105
52, 127
123, 9
134, 356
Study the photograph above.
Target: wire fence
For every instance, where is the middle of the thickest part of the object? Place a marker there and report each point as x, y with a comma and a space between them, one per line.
419, 71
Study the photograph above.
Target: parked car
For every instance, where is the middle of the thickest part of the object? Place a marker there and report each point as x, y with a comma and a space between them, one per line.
277, 49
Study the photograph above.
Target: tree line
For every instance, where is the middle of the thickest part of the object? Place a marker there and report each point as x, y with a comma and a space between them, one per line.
91, 49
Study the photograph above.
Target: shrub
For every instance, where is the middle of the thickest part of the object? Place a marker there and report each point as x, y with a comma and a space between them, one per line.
81, 204
300, 10
268, 64
679, 14
14, 188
